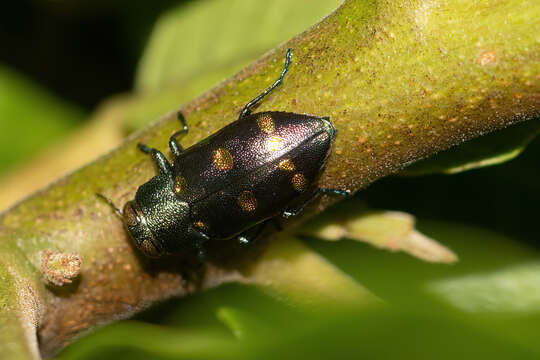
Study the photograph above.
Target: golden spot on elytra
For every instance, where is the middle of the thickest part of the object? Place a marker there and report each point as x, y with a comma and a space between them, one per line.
273, 143
223, 159
200, 225
299, 182
247, 201
179, 184
266, 123
286, 165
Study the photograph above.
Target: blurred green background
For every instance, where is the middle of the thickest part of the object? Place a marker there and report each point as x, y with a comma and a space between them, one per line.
62, 61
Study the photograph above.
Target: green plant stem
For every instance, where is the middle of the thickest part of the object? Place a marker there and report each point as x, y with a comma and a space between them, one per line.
400, 80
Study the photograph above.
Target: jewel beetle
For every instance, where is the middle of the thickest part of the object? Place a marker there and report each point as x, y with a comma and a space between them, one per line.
259, 167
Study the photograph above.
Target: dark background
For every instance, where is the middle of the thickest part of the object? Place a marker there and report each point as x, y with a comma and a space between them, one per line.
83, 51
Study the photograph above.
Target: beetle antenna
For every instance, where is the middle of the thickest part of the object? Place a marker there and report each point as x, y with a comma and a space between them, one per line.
247, 109
111, 204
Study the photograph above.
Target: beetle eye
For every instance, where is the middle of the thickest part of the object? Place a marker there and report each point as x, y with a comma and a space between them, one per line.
130, 216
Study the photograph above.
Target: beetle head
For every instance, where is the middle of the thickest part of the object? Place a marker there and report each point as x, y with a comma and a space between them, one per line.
138, 229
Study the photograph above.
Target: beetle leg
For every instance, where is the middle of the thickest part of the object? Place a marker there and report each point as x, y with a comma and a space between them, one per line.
245, 238
334, 191
197, 265
201, 253
145, 149
295, 211
158, 157
247, 109
199, 246
174, 145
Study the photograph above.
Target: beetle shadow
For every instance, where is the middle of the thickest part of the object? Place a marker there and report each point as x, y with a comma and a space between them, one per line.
228, 255
232, 254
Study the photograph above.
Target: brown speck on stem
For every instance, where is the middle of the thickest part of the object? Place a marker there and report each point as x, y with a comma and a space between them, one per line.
486, 57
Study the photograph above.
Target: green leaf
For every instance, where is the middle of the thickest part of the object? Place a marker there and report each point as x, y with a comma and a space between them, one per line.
391, 275
241, 323
296, 275
389, 230
210, 37
30, 118
513, 289
492, 149
144, 341
191, 48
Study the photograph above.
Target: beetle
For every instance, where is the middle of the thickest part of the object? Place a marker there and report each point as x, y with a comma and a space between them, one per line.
259, 167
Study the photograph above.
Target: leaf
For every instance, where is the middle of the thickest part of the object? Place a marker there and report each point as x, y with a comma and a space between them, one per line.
160, 341
390, 230
97, 136
298, 276
381, 332
400, 279
176, 68
512, 289
492, 149
30, 118
206, 37
242, 324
